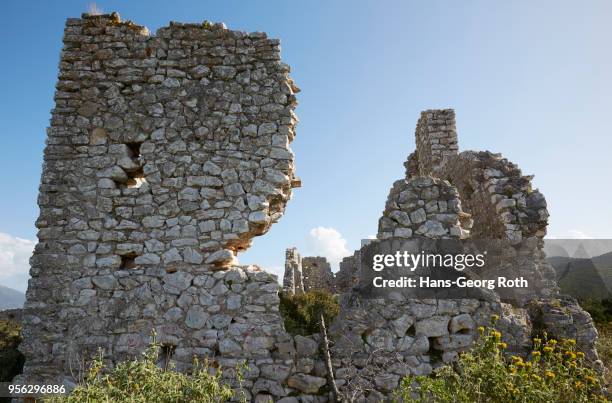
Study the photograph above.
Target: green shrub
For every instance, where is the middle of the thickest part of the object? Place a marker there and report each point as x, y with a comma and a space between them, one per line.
553, 372
600, 310
604, 349
301, 311
141, 380
11, 360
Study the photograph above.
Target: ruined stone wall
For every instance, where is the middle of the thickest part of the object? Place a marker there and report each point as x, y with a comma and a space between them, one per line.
436, 139
348, 273
308, 273
423, 206
502, 199
379, 340
166, 154
317, 274
293, 280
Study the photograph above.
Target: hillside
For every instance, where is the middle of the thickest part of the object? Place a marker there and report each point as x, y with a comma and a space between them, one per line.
10, 298
584, 278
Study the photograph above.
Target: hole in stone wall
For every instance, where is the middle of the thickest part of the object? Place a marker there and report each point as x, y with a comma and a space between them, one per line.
165, 355
411, 331
127, 262
435, 355
136, 179
135, 149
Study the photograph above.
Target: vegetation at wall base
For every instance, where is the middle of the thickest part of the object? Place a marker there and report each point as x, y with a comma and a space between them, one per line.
601, 312
141, 380
11, 359
554, 371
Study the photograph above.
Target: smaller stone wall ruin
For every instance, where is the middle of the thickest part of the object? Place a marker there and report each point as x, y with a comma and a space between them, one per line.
293, 280
309, 273
348, 274
317, 274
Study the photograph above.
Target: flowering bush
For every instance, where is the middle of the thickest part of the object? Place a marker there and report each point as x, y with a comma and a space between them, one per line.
554, 371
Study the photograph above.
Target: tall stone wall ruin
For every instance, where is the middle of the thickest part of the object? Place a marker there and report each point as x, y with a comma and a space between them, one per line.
166, 155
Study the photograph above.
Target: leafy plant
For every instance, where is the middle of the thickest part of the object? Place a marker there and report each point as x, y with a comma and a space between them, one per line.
10, 358
554, 371
600, 310
141, 380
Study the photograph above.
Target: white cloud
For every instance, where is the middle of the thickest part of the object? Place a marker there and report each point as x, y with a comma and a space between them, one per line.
571, 234
327, 242
93, 9
14, 261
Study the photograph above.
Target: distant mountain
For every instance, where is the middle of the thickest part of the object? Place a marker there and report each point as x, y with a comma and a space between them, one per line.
584, 278
10, 298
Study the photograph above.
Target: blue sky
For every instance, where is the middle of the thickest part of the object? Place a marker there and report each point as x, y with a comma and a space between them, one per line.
532, 80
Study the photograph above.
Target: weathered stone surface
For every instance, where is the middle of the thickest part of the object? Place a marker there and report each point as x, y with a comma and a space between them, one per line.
305, 346
304, 274
461, 322
386, 382
166, 155
306, 383
402, 324
433, 327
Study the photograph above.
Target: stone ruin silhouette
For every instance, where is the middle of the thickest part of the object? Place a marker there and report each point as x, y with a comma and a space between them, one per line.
168, 153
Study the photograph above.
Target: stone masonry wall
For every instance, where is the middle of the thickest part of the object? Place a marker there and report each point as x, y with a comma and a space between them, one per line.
308, 273
423, 206
436, 138
348, 273
166, 154
293, 280
317, 274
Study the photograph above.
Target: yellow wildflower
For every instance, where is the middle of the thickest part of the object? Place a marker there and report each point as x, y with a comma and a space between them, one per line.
571, 355
502, 345
571, 342
549, 374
